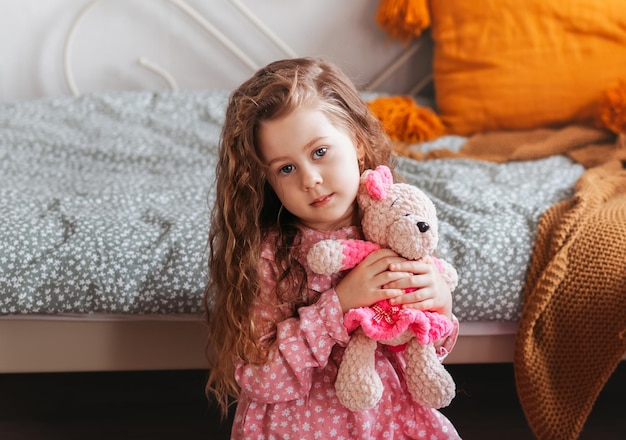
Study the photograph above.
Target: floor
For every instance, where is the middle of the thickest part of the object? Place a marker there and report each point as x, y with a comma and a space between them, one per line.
171, 405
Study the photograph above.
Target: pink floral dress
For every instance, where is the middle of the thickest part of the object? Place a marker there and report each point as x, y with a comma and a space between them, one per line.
293, 396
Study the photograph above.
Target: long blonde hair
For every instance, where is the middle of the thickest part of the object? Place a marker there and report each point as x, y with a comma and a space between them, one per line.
246, 208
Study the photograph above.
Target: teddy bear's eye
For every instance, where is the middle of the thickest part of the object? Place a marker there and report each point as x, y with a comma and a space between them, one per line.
406, 215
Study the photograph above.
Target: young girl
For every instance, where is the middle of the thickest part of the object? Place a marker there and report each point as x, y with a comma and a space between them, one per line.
296, 139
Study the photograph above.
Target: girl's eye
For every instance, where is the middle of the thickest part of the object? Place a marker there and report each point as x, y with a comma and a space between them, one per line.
287, 169
320, 152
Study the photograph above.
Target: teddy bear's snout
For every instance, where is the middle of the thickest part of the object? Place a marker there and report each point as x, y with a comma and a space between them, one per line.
423, 227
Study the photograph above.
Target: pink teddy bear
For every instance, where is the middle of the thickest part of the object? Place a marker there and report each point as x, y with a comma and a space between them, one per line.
401, 217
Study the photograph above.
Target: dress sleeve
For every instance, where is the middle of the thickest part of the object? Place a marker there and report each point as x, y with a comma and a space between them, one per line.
450, 341
297, 345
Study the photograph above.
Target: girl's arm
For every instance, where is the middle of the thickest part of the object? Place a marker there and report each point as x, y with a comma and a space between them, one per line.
297, 345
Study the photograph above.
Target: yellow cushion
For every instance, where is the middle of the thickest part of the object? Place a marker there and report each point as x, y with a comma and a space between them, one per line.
519, 64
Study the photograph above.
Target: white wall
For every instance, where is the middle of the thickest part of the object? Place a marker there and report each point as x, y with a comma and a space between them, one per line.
114, 33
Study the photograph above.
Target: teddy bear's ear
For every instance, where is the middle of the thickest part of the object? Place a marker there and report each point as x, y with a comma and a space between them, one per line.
376, 182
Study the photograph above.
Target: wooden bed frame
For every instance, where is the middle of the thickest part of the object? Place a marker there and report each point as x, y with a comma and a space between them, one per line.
43, 344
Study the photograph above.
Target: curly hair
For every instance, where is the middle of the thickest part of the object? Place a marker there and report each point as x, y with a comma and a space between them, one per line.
246, 208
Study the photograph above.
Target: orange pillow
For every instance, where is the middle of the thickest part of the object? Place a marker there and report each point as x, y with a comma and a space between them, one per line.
520, 64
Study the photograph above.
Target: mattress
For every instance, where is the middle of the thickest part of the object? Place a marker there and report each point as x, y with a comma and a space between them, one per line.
106, 197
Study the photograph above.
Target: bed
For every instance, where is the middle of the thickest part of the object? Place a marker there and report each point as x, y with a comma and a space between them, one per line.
105, 201
106, 217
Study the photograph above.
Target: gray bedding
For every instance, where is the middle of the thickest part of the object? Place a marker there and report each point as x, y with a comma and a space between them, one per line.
104, 203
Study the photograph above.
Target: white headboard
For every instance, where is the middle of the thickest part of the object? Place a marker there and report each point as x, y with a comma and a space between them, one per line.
65, 46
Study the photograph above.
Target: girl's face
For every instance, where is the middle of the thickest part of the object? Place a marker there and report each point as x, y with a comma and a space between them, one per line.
313, 168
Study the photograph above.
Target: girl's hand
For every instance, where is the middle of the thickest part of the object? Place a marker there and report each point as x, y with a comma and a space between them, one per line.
371, 281
432, 291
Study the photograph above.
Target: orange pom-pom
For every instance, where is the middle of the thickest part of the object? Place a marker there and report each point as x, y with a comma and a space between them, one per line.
612, 108
403, 19
405, 121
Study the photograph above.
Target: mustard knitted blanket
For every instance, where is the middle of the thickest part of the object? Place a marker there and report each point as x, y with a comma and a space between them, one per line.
572, 332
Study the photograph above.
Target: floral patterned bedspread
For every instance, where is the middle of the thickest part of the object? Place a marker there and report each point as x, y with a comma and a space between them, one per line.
105, 199
104, 202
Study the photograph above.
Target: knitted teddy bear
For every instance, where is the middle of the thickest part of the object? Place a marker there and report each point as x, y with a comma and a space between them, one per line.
401, 217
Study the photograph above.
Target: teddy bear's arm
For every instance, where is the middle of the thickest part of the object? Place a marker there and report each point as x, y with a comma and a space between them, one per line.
331, 256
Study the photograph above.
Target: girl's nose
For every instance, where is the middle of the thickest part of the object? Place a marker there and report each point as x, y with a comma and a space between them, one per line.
310, 178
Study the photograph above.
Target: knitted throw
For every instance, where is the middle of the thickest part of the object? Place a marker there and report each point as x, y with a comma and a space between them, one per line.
572, 331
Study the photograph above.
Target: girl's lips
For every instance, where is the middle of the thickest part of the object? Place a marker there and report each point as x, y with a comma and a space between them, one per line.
321, 201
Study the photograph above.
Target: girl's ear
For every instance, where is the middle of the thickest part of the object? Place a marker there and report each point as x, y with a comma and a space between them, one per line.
360, 156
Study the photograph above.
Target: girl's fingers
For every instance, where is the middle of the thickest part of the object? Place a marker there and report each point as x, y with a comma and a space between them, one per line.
393, 280
428, 304
409, 281
416, 267
391, 294
418, 296
382, 259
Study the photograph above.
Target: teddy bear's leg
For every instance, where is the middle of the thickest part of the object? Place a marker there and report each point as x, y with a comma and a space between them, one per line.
358, 386
428, 381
